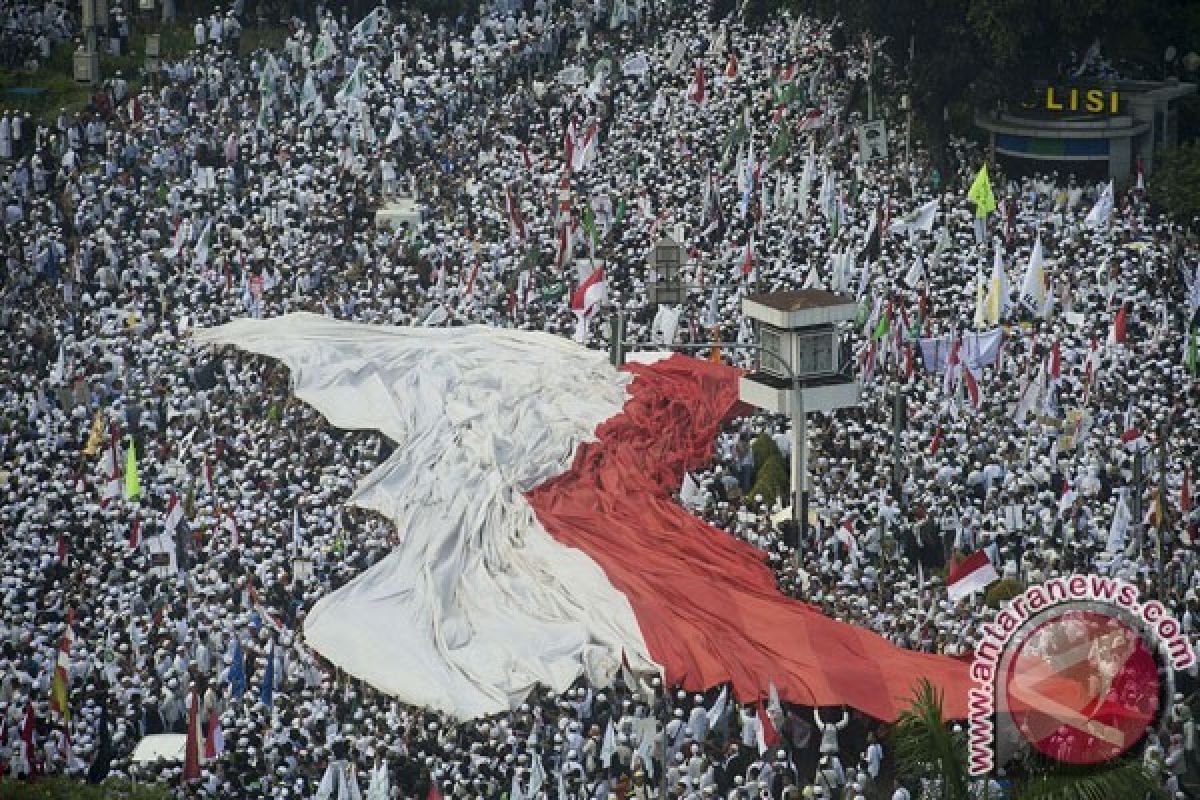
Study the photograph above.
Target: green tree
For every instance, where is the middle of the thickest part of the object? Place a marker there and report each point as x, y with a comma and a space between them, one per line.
985, 52
1175, 184
771, 476
925, 747
60, 788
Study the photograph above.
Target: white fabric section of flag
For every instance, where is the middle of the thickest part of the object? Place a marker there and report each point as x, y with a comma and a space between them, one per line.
718, 709
609, 746
1033, 286
666, 324
324, 49
774, 706
921, 219
368, 27
690, 495
380, 788
58, 375
1120, 527
1098, 216
537, 774
1027, 398
646, 746
200, 257
354, 86
916, 273
501, 605
976, 578
635, 66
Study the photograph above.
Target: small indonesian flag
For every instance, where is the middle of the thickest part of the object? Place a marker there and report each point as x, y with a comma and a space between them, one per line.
1133, 439
174, 514
61, 685
696, 89
973, 574
748, 257
972, 387
135, 532
767, 733
1185, 493
590, 293
1067, 498
230, 524
214, 739
1117, 334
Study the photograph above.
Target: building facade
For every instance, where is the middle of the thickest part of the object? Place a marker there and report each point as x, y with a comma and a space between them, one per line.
1100, 129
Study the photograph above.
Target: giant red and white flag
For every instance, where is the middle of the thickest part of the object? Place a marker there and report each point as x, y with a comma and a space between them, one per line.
571, 553
973, 574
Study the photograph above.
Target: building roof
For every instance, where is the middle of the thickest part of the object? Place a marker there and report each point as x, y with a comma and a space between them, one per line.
800, 300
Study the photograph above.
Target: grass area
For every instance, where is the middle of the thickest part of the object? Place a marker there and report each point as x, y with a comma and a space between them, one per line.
60, 788
56, 76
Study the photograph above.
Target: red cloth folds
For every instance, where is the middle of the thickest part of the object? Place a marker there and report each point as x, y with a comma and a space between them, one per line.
706, 602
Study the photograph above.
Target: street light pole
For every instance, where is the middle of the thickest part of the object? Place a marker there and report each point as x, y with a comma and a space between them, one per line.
799, 477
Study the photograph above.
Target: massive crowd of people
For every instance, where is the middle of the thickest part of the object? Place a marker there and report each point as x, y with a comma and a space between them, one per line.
240, 184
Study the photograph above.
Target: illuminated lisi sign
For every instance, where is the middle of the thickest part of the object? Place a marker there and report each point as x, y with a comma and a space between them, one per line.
1089, 101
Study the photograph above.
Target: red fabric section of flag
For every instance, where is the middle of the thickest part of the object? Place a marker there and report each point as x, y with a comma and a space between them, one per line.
191, 756
1119, 324
770, 734
707, 603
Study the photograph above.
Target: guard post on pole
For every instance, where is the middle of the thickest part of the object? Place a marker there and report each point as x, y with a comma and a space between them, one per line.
799, 369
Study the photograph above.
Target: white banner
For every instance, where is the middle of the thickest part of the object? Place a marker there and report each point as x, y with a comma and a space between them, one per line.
638, 65
572, 76
872, 140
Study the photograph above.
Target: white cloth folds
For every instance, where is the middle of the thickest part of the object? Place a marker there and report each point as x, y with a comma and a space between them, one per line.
478, 603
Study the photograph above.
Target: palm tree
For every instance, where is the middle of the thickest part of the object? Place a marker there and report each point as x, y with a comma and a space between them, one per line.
924, 746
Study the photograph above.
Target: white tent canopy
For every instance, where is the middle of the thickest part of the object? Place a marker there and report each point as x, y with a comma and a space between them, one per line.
160, 747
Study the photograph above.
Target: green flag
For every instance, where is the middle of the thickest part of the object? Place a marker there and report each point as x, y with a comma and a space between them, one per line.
738, 134
781, 145
1190, 358
980, 193
324, 48
882, 327
553, 291
133, 484
620, 214
589, 222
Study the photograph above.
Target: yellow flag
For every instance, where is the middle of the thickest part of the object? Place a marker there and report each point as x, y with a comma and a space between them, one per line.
981, 194
95, 436
981, 304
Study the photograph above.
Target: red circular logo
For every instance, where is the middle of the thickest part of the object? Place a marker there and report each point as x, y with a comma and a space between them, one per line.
1082, 687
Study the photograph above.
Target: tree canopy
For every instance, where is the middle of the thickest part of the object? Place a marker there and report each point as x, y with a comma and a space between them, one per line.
990, 51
